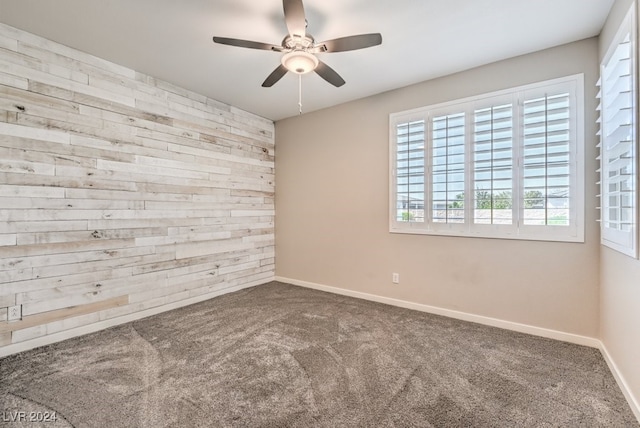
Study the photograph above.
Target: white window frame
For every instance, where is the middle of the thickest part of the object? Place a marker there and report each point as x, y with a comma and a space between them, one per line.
574, 85
625, 242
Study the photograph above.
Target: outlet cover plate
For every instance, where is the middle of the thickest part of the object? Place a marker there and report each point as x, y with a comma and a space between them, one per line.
14, 313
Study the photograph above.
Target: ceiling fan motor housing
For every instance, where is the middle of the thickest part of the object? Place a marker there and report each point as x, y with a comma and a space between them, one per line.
296, 42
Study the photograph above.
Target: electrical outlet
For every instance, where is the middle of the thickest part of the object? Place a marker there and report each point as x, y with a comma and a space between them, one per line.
14, 313
395, 278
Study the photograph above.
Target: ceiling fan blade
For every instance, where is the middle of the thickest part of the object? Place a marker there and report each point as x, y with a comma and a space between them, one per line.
329, 74
274, 76
350, 43
247, 44
294, 17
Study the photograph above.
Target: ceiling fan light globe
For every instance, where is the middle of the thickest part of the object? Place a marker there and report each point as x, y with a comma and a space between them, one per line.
299, 62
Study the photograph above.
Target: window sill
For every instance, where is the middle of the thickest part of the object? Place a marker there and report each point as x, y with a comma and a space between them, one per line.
510, 236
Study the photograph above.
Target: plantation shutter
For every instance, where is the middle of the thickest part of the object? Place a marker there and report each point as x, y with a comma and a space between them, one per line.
493, 165
508, 164
410, 169
546, 198
618, 146
448, 168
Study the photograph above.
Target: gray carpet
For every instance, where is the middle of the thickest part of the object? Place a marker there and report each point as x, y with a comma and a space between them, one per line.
278, 355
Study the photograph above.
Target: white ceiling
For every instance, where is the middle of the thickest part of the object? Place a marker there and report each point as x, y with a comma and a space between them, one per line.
422, 39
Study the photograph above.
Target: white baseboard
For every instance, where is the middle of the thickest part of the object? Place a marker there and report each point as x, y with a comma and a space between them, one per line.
633, 402
493, 322
101, 325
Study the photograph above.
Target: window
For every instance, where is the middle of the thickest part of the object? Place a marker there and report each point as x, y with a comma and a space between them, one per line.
503, 165
618, 146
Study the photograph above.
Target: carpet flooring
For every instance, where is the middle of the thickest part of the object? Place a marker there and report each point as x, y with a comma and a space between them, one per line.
277, 355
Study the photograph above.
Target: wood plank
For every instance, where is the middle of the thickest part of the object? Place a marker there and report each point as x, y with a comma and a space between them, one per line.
23, 70
73, 182
129, 146
26, 167
143, 223
33, 133
9, 43
97, 275
28, 333
177, 239
209, 248
65, 293
7, 299
65, 204
77, 63
14, 263
152, 170
22, 155
192, 165
96, 102
25, 37
65, 127
87, 235
70, 74
8, 239
180, 290
18, 251
131, 117
184, 140
62, 152
39, 226
82, 297
13, 81
60, 314
71, 268
202, 149
14, 275
74, 322
174, 265
27, 99
49, 112
130, 196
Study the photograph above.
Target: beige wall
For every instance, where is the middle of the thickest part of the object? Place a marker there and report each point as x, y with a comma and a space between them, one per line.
620, 279
120, 195
332, 210
620, 319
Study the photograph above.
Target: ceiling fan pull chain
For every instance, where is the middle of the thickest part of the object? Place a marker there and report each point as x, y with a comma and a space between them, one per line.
300, 93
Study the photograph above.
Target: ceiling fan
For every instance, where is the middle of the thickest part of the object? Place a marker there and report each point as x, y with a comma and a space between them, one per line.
300, 48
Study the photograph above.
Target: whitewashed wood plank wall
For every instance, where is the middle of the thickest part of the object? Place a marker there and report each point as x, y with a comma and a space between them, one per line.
120, 195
